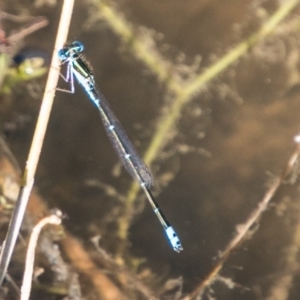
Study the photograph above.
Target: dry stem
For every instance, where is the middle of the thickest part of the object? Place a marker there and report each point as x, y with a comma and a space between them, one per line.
36, 146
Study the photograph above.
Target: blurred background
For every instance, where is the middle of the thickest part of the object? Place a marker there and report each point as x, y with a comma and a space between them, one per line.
231, 136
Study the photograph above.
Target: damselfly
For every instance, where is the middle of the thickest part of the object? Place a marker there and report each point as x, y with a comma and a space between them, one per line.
77, 67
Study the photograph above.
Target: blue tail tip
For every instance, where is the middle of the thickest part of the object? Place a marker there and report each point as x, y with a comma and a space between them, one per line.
174, 239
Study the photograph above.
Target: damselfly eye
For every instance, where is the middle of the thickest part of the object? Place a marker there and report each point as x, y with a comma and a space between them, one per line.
77, 46
62, 54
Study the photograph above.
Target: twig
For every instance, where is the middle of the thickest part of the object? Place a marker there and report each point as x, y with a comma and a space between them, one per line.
35, 150
244, 228
38, 24
16, 18
27, 277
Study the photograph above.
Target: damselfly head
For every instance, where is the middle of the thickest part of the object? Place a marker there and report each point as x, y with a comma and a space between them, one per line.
69, 49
